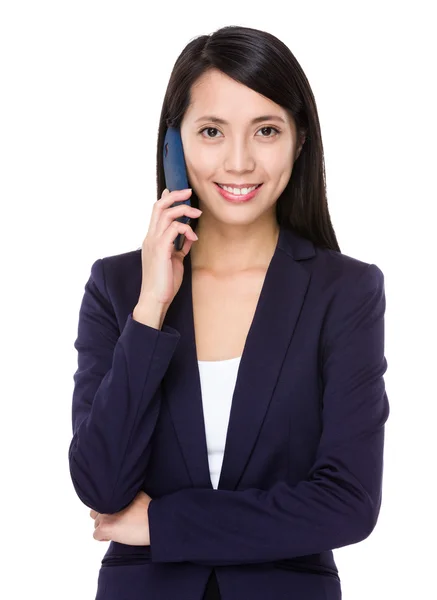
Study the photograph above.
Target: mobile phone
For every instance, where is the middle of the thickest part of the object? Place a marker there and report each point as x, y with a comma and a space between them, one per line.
175, 172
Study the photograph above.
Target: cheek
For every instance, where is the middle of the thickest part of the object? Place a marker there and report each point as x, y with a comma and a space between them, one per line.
280, 169
275, 161
203, 168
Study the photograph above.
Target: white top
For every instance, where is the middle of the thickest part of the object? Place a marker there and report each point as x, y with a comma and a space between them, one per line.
217, 382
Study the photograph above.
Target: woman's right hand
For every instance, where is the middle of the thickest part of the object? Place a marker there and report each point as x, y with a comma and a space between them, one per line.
162, 264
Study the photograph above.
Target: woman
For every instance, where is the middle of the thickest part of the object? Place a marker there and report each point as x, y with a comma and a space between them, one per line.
229, 402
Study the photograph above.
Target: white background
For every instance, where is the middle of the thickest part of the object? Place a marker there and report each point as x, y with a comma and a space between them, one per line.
82, 85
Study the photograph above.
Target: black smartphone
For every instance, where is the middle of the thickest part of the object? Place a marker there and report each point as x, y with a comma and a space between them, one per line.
175, 172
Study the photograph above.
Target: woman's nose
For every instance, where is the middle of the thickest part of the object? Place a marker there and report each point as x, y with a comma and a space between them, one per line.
239, 157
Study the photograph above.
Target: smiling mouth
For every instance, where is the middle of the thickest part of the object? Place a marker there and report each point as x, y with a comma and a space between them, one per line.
238, 187
230, 189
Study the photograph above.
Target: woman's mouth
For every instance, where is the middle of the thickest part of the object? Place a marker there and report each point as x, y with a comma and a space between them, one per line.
238, 195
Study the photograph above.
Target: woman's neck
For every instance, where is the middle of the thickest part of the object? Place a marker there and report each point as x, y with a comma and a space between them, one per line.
233, 252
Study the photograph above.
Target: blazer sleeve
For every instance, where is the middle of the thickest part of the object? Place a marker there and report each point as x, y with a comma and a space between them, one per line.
116, 399
339, 502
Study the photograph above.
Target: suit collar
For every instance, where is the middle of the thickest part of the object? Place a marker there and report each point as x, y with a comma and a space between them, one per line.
278, 308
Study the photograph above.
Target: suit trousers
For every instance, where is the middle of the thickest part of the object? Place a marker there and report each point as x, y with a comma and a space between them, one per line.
212, 591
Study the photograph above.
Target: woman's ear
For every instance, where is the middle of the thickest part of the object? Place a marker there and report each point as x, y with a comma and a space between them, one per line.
298, 151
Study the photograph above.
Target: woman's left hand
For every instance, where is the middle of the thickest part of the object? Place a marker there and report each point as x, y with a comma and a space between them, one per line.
129, 526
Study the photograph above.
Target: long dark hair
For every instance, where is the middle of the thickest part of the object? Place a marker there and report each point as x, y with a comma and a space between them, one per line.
262, 62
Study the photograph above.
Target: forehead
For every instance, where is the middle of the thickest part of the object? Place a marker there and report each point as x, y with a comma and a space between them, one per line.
214, 93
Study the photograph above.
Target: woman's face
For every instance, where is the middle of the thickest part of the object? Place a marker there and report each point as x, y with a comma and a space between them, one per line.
238, 151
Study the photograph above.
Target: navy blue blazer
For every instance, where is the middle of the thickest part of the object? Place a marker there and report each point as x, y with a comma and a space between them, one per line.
303, 461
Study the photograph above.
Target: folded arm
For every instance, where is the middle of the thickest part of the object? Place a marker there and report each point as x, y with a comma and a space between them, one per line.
338, 504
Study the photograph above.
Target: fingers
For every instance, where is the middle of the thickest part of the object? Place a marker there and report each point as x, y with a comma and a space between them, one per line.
165, 224
100, 537
187, 245
169, 215
173, 230
102, 529
166, 200
101, 533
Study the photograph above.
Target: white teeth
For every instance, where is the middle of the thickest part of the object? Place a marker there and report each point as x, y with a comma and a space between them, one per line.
238, 191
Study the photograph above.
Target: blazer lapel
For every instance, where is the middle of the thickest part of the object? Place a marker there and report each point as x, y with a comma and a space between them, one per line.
269, 336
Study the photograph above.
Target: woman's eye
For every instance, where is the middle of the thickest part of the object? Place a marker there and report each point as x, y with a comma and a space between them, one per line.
271, 128
209, 129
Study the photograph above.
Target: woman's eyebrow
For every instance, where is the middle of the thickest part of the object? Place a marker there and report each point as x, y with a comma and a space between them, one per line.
214, 119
